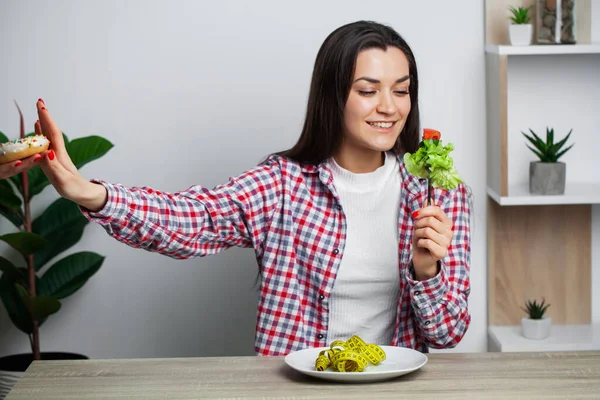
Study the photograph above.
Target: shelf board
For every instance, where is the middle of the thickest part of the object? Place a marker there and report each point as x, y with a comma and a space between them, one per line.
575, 193
585, 337
538, 49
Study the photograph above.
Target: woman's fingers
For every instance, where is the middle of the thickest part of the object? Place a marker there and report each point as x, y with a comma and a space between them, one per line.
48, 127
433, 231
437, 251
11, 168
433, 223
433, 212
38, 127
16, 167
427, 234
435, 218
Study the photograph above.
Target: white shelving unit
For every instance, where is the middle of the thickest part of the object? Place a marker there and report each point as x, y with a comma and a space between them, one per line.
575, 193
538, 87
593, 48
584, 337
541, 246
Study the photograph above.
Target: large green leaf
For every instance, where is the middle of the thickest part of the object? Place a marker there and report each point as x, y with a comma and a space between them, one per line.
62, 225
40, 306
37, 181
10, 203
69, 274
24, 242
86, 149
11, 271
8, 197
3, 138
11, 216
18, 313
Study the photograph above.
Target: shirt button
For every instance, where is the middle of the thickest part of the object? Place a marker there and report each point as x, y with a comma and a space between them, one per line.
322, 297
336, 251
339, 207
320, 336
427, 322
417, 293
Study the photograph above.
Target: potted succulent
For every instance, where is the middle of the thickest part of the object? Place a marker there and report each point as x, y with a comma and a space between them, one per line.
29, 296
520, 30
547, 176
535, 325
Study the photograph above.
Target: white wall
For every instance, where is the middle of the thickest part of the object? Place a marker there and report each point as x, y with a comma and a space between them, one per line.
194, 92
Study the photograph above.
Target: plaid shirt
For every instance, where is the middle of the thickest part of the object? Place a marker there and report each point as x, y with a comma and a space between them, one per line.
290, 215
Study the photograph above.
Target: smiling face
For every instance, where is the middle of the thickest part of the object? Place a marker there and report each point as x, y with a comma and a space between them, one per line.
376, 110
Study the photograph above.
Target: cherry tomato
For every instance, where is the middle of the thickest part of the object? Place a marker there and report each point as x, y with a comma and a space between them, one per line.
429, 134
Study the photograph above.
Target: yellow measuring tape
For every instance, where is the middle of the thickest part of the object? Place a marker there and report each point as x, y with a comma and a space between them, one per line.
354, 355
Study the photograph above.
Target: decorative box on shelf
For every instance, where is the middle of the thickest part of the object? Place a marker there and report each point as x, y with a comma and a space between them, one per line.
583, 337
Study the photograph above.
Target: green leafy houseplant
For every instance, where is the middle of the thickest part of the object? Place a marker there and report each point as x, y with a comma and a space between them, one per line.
548, 151
536, 310
29, 295
536, 325
520, 31
520, 15
548, 175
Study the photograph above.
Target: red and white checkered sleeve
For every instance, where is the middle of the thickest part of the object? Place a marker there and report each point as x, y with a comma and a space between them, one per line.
440, 303
195, 222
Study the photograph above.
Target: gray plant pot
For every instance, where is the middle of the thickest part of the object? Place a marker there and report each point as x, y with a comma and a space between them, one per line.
547, 178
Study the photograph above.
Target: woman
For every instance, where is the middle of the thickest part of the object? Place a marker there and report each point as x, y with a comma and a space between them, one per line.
343, 238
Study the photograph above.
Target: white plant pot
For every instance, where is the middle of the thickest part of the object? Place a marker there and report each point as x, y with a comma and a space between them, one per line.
520, 35
536, 328
8, 379
13, 366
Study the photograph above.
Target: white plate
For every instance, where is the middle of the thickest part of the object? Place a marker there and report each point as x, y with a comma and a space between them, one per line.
399, 361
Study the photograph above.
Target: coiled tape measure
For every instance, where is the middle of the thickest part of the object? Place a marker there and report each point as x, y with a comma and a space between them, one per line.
354, 355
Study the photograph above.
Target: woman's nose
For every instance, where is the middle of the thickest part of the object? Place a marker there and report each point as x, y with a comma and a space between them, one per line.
386, 105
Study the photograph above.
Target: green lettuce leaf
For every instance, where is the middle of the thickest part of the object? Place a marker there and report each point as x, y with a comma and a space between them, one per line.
432, 160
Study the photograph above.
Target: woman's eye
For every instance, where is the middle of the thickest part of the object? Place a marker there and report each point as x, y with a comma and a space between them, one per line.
402, 92
366, 92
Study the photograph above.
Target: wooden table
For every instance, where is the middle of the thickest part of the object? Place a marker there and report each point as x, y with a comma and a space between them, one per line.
446, 376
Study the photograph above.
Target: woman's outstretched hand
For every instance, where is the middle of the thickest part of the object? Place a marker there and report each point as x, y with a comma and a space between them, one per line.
61, 171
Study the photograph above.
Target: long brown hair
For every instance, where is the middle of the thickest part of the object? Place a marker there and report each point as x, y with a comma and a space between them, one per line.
323, 129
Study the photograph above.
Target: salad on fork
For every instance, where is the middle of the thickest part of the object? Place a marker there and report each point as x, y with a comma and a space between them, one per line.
432, 161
